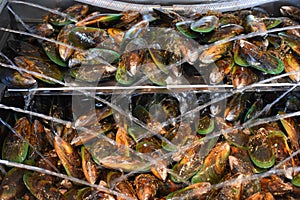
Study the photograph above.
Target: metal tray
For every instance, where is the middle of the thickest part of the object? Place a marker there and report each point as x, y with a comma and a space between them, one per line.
30, 14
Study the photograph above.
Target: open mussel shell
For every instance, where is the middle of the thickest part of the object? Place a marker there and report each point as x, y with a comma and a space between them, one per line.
117, 34
15, 148
154, 74
262, 61
243, 76
205, 24
292, 65
51, 51
110, 156
12, 185
185, 28
146, 186
220, 69
223, 32
24, 48
296, 180
195, 191
253, 24
69, 157
34, 182
122, 75
160, 57
93, 56
205, 125
129, 67
290, 11
44, 29
271, 22
292, 130
188, 165
260, 149
237, 55
192, 160
41, 67
74, 12
235, 107
292, 40
214, 164
89, 167
93, 73
63, 36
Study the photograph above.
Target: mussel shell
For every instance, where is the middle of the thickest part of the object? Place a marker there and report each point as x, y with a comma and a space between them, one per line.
296, 180
160, 57
116, 34
44, 29
253, 24
126, 188
34, 182
93, 73
292, 65
205, 24
220, 69
87, 37
243, 76
205, 125
261, 195
271, 22
69, 157
263, 61
290, 11
291, 129
14, 79
52, 52
155, 75
63, 36
92, 133
12, 185
136, 132
292, 40
76, 11
129, 67
237, 55
282, 151
223, 32
235, 107
97, 17
142, 114
146, 186
260, 151
213, 53
214, 164
93, 56
39, 66
254, 109
195, 191
188, 165
89, 167
185, 28
23, 48
14, 148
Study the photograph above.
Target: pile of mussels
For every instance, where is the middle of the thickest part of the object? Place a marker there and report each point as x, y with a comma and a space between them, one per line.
156, 145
